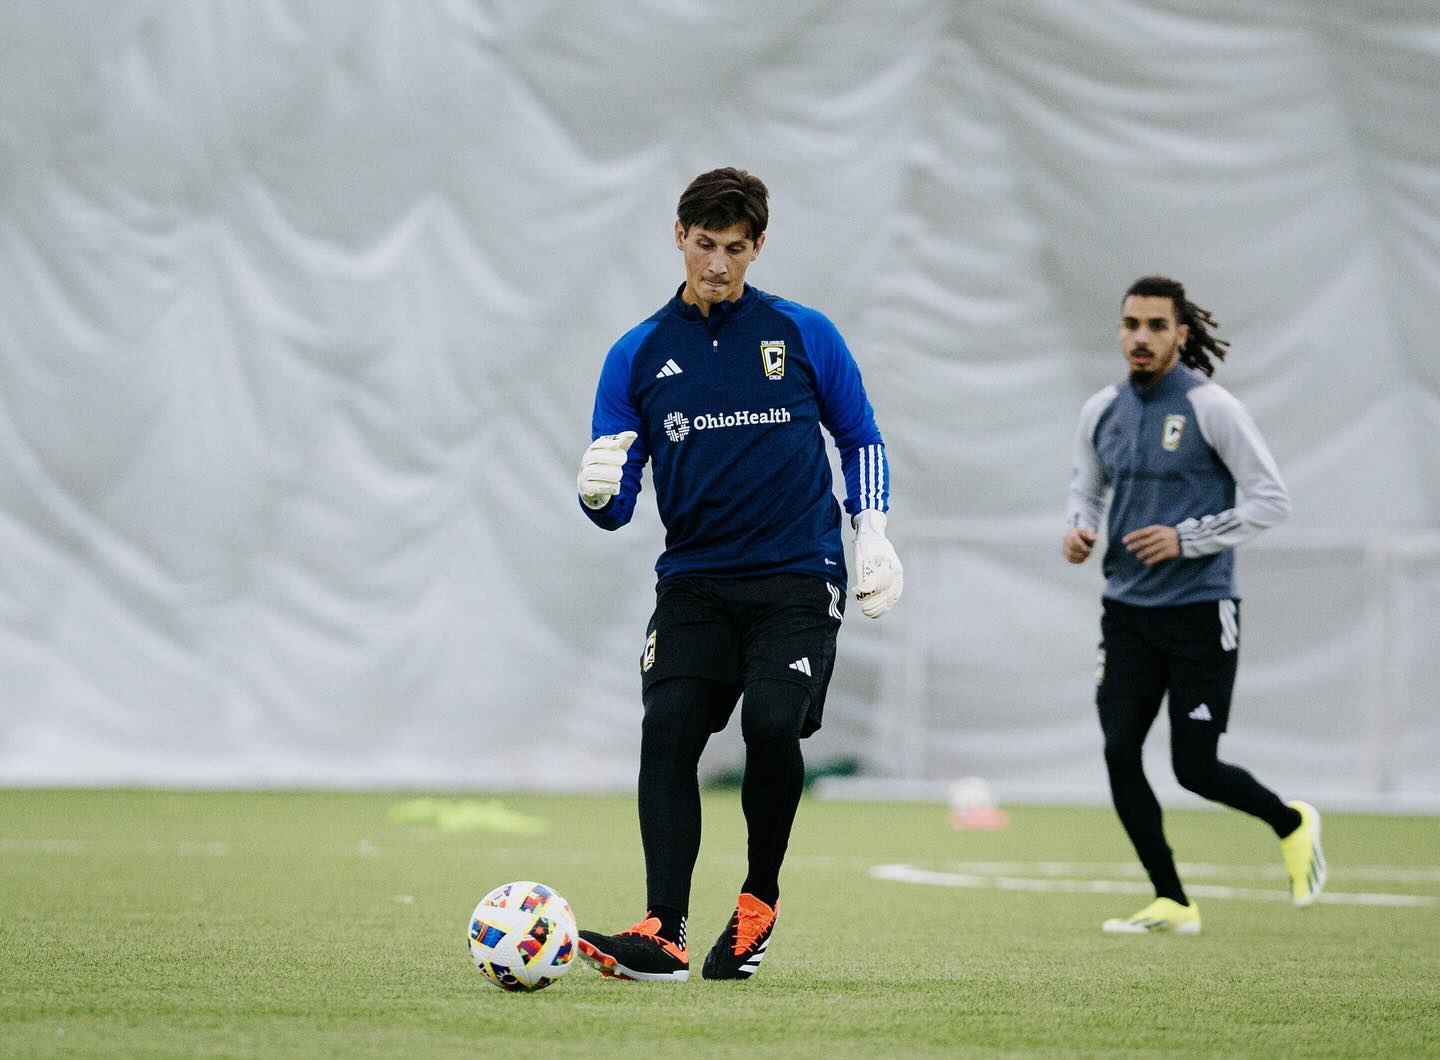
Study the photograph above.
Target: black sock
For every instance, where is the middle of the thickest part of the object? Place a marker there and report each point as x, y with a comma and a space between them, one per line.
1175, 894
1289, 829
672, 924
767, 893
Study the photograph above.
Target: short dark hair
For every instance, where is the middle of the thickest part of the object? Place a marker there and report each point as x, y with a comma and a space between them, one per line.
1200, 345
725, 197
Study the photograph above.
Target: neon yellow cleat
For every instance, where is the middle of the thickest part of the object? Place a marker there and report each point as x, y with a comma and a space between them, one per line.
1163, 914
1304, 860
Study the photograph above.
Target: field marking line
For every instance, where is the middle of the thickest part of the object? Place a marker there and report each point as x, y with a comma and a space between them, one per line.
1189, 870
902, 873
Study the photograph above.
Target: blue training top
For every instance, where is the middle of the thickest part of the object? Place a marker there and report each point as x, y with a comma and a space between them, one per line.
728, 409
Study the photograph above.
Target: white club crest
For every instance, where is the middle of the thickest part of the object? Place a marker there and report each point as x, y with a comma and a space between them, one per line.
1171, 432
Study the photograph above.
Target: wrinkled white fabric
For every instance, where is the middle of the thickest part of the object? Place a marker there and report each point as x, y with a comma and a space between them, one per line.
302, 308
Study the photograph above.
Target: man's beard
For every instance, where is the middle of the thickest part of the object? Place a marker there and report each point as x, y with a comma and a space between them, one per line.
1160, 363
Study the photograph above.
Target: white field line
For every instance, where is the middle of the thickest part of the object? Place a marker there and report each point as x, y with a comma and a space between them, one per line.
901, 873
1191, 870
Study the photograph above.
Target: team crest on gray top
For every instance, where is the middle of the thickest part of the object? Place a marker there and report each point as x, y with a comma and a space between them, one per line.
1171, 433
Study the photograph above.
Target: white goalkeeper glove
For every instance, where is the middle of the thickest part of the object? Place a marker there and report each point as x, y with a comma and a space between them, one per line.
882, 579
600, 468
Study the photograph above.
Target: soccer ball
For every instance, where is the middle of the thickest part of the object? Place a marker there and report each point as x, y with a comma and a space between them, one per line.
523, 936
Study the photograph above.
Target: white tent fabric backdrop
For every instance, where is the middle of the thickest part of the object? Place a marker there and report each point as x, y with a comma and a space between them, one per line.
302, 305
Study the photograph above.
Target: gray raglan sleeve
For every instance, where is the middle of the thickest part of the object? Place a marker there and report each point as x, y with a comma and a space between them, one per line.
1262, 500
1086, 504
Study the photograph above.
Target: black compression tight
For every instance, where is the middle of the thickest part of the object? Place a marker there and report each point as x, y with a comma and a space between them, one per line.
1194, 755
1198, 768
774, 778
680, 714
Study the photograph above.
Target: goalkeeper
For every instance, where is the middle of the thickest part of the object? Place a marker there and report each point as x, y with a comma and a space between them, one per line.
724, 390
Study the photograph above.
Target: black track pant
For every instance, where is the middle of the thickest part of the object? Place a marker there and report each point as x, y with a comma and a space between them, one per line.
1187, 654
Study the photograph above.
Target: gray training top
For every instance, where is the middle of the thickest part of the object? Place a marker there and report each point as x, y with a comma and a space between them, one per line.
1172, 454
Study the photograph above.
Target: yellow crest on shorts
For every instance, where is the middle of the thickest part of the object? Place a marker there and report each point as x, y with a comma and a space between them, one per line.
648, 659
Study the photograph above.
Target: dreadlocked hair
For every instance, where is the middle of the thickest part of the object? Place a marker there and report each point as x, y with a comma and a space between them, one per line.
1201, 345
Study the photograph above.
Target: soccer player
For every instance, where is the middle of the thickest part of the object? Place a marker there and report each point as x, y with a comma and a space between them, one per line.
1171, 447
724, 390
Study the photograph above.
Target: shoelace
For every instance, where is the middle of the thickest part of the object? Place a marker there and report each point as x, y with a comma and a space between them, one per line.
649, 927
753, 923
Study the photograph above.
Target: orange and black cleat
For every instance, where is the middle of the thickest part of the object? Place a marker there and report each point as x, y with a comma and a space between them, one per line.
637, 953
741, 947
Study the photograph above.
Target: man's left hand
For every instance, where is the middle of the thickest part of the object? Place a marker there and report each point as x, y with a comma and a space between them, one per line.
882, 579
1153, 544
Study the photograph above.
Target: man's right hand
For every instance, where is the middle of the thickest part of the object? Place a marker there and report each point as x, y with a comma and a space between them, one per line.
1077, 544
601, 466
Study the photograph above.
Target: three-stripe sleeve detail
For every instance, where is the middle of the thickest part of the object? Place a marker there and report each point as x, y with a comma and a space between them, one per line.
1204, 536
873, 484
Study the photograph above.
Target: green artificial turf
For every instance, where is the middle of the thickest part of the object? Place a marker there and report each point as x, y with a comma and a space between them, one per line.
279, 925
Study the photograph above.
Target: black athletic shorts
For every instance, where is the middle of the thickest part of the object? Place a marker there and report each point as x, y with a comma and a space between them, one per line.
737, 630
1189, 652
